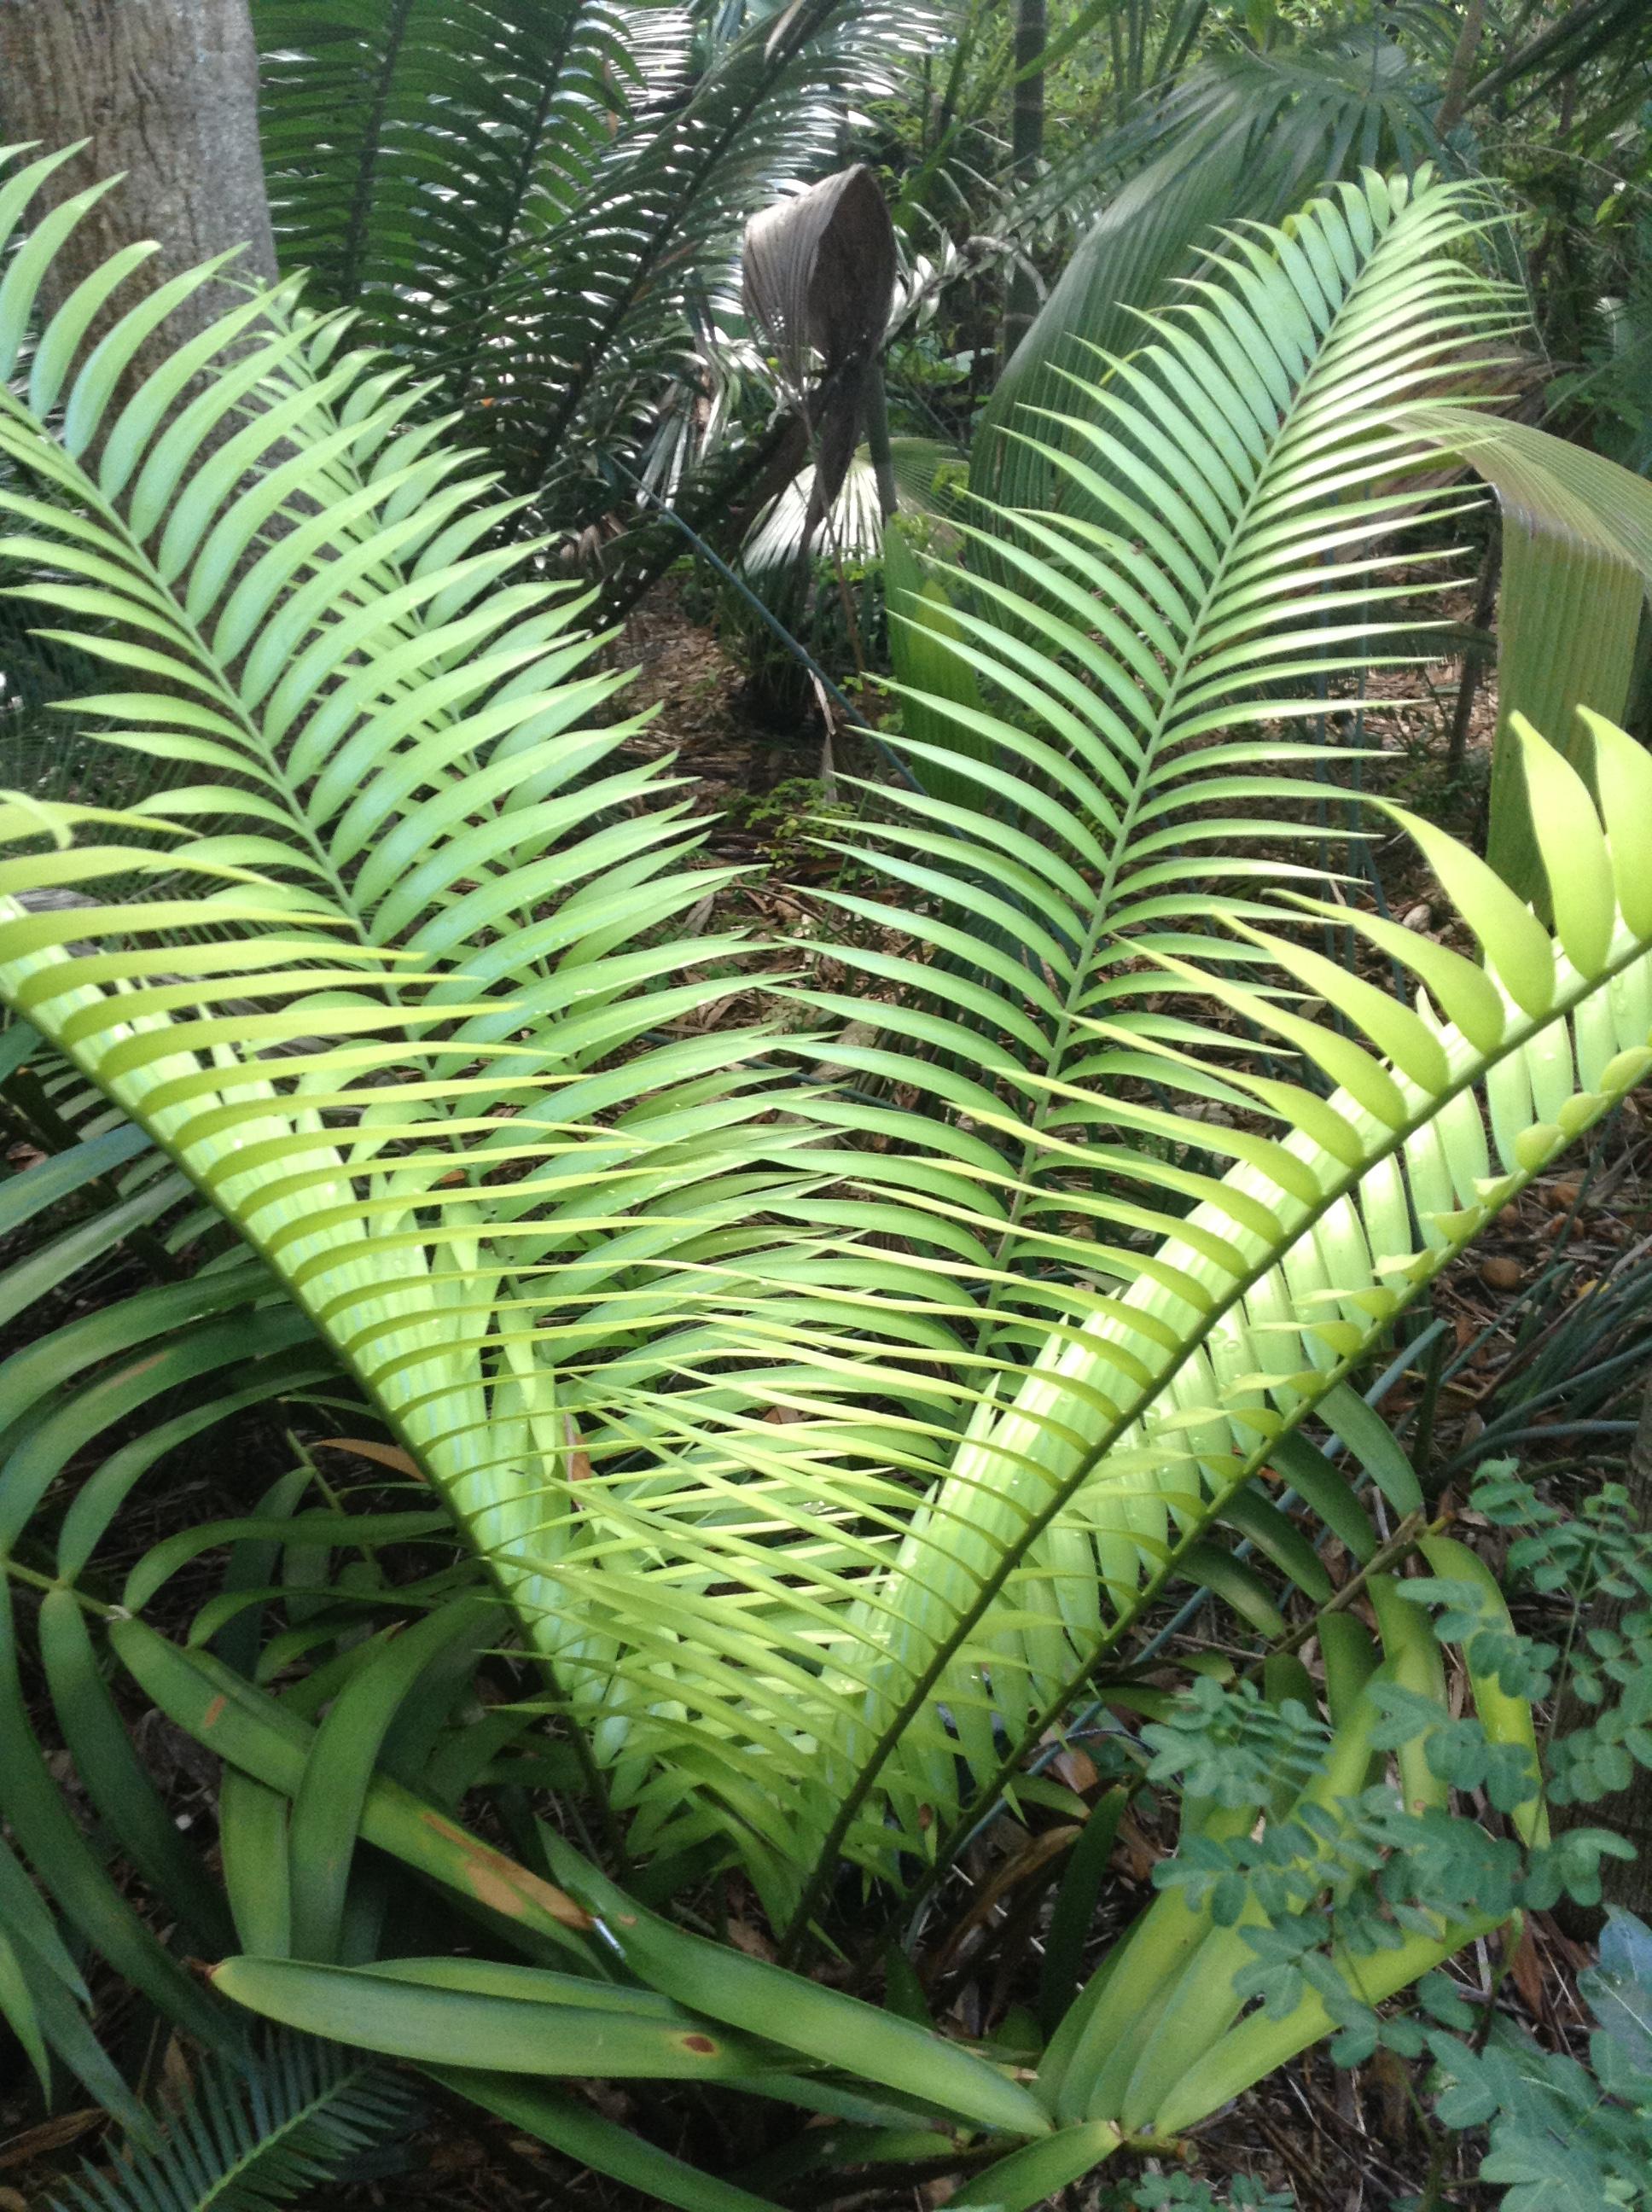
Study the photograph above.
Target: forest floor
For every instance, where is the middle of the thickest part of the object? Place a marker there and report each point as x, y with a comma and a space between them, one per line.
1343, 2142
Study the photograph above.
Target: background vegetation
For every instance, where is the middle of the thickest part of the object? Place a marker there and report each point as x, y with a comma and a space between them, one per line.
745, 1458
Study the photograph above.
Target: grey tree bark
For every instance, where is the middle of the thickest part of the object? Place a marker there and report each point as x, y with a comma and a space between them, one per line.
167, 92
165, 95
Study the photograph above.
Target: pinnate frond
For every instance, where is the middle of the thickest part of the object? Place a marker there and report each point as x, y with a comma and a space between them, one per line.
824, 1446
256, 2136
528, 201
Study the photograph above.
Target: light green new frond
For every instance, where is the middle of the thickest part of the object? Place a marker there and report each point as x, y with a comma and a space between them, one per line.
383, 969
1220, 550
824, 1438
852, 1656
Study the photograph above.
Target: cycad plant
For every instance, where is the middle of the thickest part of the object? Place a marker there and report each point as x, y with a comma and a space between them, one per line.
790, 1427
538, 207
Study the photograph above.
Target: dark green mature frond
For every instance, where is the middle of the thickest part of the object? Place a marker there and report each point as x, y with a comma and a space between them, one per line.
256, 2136
527, 211
411, 147
596, 315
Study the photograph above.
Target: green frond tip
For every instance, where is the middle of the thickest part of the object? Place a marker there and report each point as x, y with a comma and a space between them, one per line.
257, 2137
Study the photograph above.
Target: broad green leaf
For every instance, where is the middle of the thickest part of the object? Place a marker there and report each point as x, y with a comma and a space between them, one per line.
581, 2133
454, 2027
1577, 573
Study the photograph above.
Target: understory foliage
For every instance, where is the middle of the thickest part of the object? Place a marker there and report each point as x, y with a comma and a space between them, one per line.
288, 2116
778, 1429
1559, 2133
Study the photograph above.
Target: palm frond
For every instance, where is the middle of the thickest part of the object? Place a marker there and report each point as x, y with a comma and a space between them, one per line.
1253, 440
408, 150
413, 847
531, 206
954, 1624
1350, 98
916, 1608
296, 2115
1239, 139
1122, 266
597, 319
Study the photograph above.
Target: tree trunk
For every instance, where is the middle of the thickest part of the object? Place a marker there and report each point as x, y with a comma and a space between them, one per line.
1454, 95
167, 92
1027, 149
